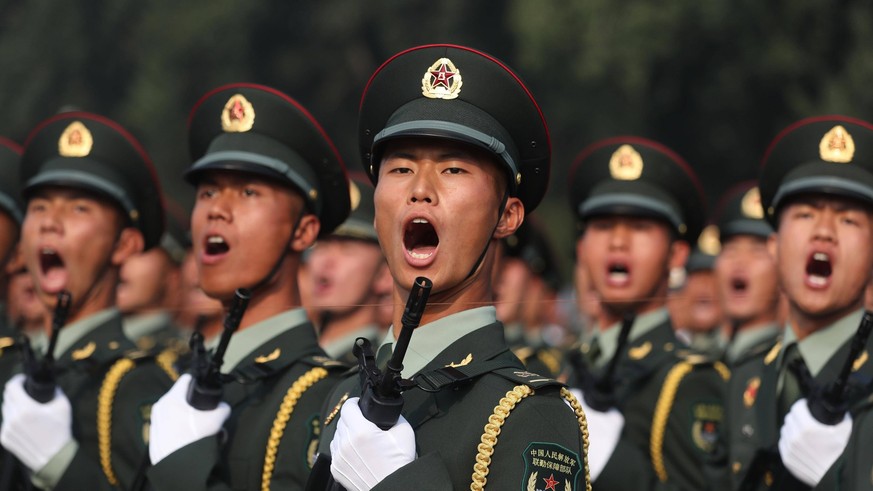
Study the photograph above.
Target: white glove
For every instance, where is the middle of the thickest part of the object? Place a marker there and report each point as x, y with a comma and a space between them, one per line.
175, 423
362, 454
809, 448
31, 430
604, 430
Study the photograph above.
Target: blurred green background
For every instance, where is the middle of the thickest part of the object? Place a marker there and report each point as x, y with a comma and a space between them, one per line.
713, 79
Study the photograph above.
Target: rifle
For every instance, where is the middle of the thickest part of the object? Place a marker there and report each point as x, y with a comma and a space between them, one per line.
599, 394
828, 404
205, 391
40, 383
381, 393
381, 400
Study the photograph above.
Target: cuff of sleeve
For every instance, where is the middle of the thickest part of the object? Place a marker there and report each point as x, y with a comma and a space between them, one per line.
50, 475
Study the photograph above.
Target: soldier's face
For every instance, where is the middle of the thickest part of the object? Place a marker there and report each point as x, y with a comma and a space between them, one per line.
242, 227
70, 241
747, 281
343, 274
437, 211
628, 260
823, 257
144, 280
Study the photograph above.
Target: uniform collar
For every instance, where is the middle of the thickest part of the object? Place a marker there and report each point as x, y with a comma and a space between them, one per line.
823, 344
749, 338
608, 339
72, 333
140, 325
431, 339
344, 344
243, 342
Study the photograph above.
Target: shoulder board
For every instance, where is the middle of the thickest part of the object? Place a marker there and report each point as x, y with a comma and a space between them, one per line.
533, 380
523, 352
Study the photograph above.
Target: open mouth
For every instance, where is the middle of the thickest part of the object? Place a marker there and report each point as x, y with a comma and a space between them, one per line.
420, 238
818, 268
215, 245
739, 285
618, 272
49, 260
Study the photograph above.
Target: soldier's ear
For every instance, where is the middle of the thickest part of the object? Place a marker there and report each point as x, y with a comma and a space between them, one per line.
305, 233
679, 251
511, 219
130, 242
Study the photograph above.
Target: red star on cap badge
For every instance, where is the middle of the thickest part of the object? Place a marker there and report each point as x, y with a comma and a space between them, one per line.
551, 483
442, 77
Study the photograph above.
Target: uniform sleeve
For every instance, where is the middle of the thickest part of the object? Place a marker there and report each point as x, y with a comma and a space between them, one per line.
189, 469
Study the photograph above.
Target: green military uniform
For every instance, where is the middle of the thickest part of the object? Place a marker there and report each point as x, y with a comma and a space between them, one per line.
109, 385
671, 399
539, 439
278, 379
341, 349
277, 376
10, 203
467, 381
828, 155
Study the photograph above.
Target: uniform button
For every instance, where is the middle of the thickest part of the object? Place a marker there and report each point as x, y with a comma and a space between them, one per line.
748, 431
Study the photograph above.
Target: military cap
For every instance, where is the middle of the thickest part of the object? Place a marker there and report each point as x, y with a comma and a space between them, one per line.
461, 94
740, 212
87, 151
629, 175
704, 253
825, 155
259, 130
10, 196
359, 224
530, 244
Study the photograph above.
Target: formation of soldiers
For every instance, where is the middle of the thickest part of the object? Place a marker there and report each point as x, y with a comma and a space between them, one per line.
313, 326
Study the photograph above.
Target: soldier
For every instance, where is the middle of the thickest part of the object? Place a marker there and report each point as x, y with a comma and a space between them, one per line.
459, 151
526, 288
269, 182
817, 192
348, 276
10, 218
746, 276
698, 306
658, 408
148, 291
93, 201
197, 311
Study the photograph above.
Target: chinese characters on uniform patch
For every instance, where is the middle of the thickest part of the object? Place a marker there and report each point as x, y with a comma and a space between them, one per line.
549, 466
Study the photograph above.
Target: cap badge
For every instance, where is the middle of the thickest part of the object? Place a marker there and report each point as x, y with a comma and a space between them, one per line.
354, 195
442, 80
751, 204
837, 145
238, 115
626, 164
708, 242
75, 141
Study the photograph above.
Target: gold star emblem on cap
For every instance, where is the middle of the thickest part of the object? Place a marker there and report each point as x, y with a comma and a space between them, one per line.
708, 241
238, 115
751, 204
837, 145
75, 141
442, 80
626, 164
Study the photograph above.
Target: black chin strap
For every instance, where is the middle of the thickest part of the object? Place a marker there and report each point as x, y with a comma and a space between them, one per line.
488, 239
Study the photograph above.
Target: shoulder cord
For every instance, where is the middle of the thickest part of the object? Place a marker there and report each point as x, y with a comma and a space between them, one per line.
105, 400
294, 393
663, 408
492, 430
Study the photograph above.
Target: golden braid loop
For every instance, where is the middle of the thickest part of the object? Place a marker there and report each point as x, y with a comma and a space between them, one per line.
492, 431
105, 401
293, 395
583, 427
662, 413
